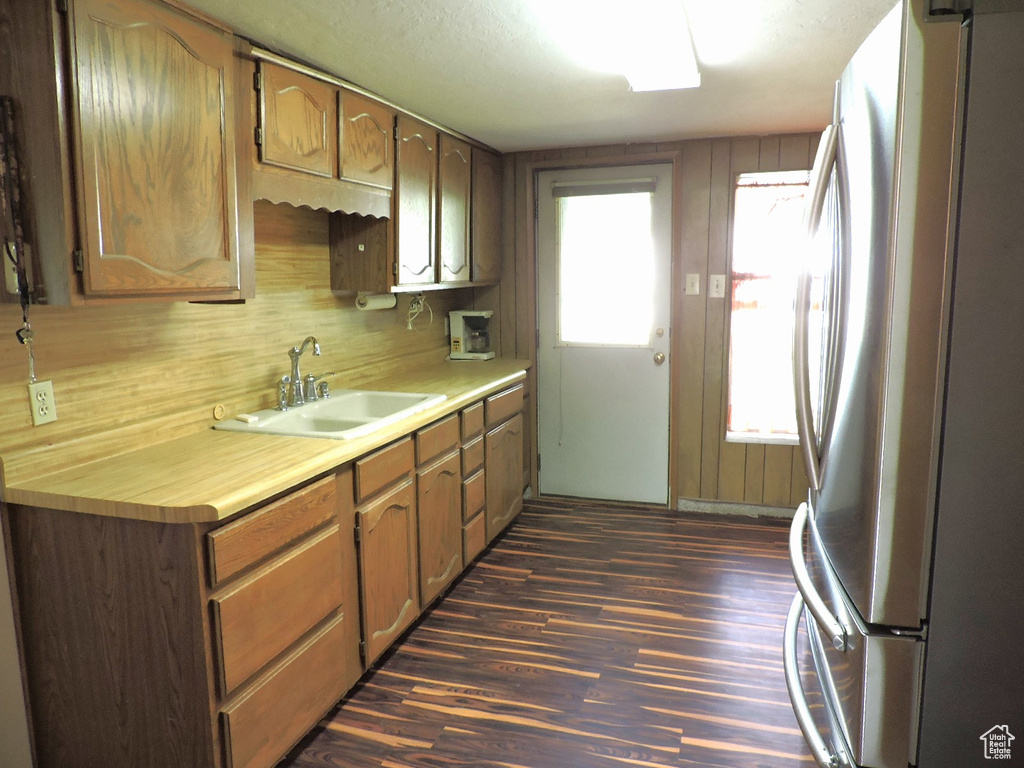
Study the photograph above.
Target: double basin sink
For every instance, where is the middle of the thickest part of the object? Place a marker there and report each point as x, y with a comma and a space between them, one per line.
346, 414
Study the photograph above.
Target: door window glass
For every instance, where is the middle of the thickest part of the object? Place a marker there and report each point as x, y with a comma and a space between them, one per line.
605, 269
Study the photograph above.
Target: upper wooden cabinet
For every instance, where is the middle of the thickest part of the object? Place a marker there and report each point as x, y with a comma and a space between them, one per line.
142, 198
415, 190
297, 119
317, 144
367, 141
428, 243
486, 217
453, 193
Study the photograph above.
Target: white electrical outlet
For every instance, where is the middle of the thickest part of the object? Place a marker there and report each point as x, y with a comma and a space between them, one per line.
716, 290
40, 400
693, 284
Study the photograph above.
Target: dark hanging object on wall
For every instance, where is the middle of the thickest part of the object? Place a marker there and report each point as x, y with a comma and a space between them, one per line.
11, 229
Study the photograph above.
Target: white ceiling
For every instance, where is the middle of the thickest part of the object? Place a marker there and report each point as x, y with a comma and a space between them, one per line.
486, 68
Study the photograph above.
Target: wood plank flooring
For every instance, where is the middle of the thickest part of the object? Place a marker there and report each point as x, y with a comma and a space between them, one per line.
588, 636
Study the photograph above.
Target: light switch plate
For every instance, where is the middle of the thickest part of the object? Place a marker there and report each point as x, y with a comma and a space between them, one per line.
716, 286
693, 284
41, 402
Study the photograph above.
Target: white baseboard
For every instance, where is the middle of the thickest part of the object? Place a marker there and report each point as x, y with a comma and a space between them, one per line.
731, 508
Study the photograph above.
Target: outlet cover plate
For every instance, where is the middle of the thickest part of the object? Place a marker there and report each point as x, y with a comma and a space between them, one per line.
41, 402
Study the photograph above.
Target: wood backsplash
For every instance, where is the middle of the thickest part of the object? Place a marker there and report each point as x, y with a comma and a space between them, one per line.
127, 373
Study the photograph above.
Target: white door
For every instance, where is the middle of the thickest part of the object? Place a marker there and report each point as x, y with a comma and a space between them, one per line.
603, 276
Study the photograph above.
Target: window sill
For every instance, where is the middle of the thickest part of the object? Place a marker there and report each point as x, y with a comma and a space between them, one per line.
761, 439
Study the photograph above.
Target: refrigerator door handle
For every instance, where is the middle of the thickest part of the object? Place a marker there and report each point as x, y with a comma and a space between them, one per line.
823, 756
830, 625
824, 161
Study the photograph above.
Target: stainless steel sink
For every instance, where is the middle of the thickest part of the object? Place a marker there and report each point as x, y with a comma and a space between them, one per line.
344, 415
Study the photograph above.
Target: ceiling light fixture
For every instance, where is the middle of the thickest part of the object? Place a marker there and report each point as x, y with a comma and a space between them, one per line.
649, 43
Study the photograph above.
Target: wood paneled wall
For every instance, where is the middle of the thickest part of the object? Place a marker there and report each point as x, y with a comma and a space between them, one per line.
704, 466
125, 372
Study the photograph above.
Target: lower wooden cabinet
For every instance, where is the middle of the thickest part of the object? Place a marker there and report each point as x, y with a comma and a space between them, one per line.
169, 645
262, 724
439, 496
263, 615
503, 449
474, 537
219, 645
387, 568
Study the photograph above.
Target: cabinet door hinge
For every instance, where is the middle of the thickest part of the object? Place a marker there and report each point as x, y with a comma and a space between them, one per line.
358, 534
62, 6
257, 80
394, 268
78, 260
259, 137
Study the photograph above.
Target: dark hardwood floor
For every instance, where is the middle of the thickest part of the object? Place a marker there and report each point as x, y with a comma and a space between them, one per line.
588, 636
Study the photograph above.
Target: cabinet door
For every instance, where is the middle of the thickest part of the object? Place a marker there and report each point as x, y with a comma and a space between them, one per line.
504, 474
367, 141
453, 211
486, 231
415, 195
297, 116
439, 508
156, 113
387, 566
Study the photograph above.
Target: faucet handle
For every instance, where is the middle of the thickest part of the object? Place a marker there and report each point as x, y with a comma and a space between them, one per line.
316, 388
282, 393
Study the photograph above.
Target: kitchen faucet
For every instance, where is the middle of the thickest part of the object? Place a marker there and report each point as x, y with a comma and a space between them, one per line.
298, 395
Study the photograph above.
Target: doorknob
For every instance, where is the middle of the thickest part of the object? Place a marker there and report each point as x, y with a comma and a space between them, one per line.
659, 358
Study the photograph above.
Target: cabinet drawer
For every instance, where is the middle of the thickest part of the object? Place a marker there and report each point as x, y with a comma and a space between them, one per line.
379, 470
472, 456
474, 538
503, 405
262, 725
263, 614
238, 545
472, 421
436, 439
472, 495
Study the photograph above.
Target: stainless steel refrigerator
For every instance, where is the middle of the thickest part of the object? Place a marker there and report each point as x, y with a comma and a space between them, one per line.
909, 553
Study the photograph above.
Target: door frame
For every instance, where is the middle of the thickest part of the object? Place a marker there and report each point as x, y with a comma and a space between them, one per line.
523, 336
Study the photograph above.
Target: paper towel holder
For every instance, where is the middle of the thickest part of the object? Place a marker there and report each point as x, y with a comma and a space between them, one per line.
367, 301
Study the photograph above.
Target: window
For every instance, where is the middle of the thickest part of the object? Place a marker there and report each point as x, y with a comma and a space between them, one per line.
767, 244
598, 264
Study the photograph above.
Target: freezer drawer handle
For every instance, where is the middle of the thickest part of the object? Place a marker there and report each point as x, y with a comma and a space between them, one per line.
823, 756
823, 162
829, 624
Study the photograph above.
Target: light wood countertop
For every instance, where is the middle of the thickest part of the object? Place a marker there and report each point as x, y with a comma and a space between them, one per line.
210, 475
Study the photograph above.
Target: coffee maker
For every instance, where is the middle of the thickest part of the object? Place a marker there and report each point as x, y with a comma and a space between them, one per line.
471, 338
